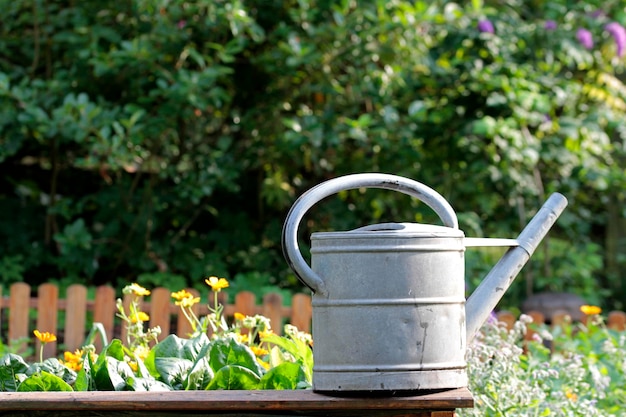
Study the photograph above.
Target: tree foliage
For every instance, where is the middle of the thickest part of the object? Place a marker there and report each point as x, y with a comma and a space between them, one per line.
160, 141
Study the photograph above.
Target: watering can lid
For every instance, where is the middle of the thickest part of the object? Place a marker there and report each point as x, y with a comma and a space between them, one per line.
417, 230
396, 230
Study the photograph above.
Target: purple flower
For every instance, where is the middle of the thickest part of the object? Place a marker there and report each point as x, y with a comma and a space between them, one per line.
619, 35
550, 25
585, 38
181, 24
485, 26
597, 13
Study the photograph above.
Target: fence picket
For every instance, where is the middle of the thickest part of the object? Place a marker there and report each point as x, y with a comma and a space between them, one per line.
47, 315
245, 303
272, 309
104, 311
18, 311
616, 320
75, 317
160, 311
301, 312
158, 305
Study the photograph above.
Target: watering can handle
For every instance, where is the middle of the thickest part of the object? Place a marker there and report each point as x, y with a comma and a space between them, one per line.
307, 200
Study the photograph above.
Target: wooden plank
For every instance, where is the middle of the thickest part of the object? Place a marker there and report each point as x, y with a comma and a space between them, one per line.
104, 311
47, 316
75, 317
245, 303
272, 309
160, 310
507, 318
616, 320
136, 413
18, 311
301, 312
301, 401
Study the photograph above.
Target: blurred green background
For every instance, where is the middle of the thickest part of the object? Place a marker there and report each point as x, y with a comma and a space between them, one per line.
159, 142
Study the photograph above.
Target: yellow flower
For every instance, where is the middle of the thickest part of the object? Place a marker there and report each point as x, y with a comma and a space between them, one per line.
139, 316
74, 360
133, 365
258, 351
241, 338
266, 333
571, 395
239, 316
135, 289
181, 295
590, 310
216, 284
45, 337
188, 302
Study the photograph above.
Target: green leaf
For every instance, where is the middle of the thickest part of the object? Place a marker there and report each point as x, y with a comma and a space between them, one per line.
10, 366
224, 352
200, 374
54, 367
484, 127
44, 381
173, 371
112, 374
297, 348
287, 375
146, 384
174, 347
115, 350
234, 377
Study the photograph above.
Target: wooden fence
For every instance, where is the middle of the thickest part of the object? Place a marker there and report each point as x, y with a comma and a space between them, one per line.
70, 318
615, 320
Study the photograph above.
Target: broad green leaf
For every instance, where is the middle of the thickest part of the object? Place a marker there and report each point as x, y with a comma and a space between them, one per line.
173, 371
146, 384
112, 374
200, 373
224, 352
10, 366
195, 347
232, 377
174, 347
115, 349
298, 349
287, 375
44, 381
54, 367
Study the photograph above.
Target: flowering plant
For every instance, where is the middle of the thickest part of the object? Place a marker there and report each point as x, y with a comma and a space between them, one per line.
244, 354
574, 369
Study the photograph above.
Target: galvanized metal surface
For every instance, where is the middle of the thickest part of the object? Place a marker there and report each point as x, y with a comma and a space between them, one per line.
485, 298
392, 319
388, 303
291, 248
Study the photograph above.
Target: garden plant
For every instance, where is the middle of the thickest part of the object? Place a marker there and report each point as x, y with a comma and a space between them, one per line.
244, 354
573, 369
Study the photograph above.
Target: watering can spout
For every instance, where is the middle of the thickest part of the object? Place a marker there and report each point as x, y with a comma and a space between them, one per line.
485, 298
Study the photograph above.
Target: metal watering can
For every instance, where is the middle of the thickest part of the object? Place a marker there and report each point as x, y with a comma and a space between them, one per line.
389, 308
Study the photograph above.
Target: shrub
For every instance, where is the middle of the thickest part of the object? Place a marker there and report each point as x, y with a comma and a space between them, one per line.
575, 370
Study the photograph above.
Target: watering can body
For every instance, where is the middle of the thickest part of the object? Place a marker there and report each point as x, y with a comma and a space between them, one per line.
389, 308
394, 314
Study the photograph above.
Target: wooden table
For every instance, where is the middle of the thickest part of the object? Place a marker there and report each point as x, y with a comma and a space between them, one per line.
231, 404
